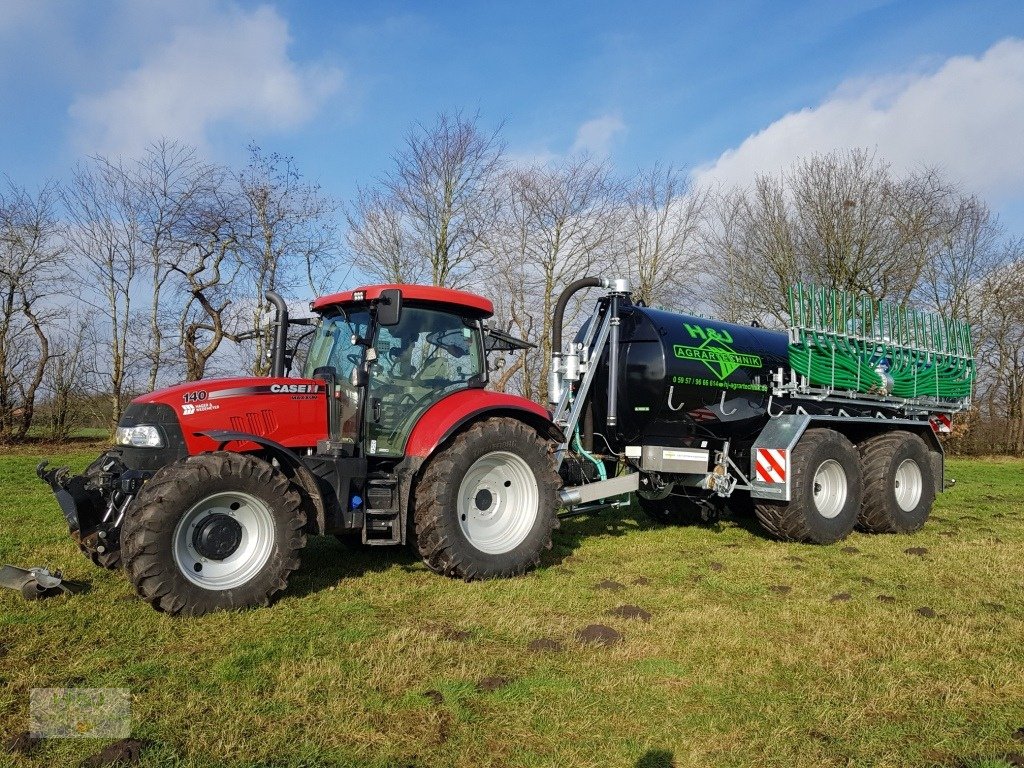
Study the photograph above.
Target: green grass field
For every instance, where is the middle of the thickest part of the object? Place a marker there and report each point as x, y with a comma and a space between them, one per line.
756, 653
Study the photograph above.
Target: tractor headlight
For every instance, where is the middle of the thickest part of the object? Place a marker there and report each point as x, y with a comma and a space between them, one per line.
140, 436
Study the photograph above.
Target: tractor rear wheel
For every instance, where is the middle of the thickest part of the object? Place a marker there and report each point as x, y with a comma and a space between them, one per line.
218, 531
825, 491
486, 505
899, 486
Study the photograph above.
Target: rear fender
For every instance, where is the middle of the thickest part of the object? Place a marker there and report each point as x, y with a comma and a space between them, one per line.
448, 416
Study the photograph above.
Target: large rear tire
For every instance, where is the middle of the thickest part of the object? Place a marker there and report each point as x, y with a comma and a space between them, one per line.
825, 489
899, 485
486, 505
218, 531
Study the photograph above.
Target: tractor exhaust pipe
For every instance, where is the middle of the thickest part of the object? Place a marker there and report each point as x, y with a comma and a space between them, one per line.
280, 338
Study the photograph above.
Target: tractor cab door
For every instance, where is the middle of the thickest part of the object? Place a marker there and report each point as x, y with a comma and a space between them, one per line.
427, 355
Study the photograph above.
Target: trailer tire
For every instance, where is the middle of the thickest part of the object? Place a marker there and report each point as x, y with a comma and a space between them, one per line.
899, 486
204, 511
485, 506
826, 489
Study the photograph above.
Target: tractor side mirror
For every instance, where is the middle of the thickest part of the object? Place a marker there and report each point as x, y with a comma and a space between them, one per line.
389, 307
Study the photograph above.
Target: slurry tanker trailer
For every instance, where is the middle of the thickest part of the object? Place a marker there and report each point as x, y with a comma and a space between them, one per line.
390, 435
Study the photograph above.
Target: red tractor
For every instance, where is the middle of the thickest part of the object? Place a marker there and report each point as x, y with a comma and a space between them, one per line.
390, 435
213, 486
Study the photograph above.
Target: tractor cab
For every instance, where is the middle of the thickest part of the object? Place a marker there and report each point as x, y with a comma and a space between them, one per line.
390, 352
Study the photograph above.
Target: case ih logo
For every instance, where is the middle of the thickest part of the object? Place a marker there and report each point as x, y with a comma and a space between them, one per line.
295, 389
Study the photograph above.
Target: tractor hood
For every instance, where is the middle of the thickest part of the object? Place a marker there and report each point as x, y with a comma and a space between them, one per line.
289, 411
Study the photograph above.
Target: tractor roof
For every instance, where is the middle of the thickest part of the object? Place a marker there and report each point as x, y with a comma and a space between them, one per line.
429, 294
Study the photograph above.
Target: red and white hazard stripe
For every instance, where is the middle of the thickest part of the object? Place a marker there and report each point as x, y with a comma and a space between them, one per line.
772, 464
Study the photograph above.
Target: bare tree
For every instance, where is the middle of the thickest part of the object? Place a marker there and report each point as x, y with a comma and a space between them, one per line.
286, 238
383, 248
102, 232
167, 185
841, 220
431, 212
662, 220
556, 225
67, 381
31, 260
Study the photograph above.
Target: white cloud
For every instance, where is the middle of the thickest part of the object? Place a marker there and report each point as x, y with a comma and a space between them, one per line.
229, 67
596, 136
966, 117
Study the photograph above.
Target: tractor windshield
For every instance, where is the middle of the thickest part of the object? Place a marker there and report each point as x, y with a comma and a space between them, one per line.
333, 345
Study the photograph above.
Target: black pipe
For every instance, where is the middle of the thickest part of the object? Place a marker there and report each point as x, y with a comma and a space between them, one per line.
280, 339
563, 300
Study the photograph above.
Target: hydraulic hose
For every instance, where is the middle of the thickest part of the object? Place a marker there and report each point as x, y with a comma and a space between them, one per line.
560, 305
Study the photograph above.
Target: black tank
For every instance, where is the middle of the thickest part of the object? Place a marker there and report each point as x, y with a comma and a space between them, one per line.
683, 376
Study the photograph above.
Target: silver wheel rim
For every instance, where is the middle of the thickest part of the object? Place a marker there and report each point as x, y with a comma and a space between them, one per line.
498, 502
248, 559
909, 485
830, 488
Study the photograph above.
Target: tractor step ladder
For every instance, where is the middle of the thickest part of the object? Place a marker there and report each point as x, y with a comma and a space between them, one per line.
382, 521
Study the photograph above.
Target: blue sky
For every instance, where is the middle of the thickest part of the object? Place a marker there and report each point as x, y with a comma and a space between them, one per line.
727, 89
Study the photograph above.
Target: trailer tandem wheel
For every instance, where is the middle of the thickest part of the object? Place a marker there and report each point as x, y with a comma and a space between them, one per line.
826, 490
218, 531
486, 504
899, 484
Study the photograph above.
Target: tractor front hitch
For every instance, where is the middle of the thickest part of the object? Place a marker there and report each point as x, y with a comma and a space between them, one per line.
94, 504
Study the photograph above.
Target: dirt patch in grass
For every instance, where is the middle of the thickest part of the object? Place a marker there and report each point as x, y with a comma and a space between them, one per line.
849, 550
124, 752
795, 559
1018, 735
998, 608
434, 696
598, 634
717, 567
491, 684
886, 599
925, 611
841, 597
612, 586
630, 612
781, 589
542, 644
457, 635
641, 581
21, 743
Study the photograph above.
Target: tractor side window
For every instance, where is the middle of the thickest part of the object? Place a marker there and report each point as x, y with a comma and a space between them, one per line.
426, 356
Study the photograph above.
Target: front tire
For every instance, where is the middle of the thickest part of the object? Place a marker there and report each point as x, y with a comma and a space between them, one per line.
825, 491
899, 485
486, 505
218, 531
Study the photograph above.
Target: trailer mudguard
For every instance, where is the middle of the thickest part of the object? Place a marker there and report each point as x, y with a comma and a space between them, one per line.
770, 477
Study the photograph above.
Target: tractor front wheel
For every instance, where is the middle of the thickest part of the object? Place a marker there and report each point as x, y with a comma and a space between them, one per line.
218, 531
486, 505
